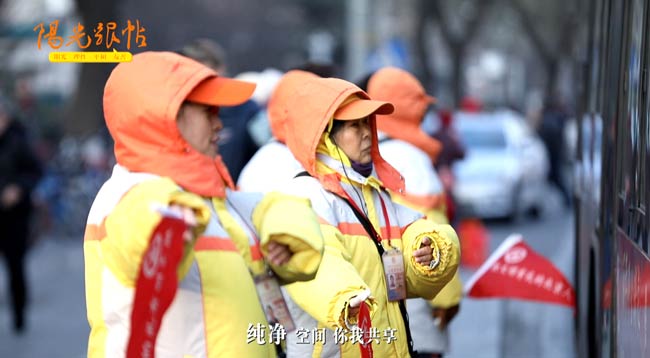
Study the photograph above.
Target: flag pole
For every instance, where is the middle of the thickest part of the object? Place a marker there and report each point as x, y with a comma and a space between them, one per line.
504, 330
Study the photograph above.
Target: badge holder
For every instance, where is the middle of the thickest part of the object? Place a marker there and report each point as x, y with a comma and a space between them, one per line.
394, 270
270, 295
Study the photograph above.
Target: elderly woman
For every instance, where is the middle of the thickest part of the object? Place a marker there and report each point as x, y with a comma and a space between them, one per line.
162, 110
331, 130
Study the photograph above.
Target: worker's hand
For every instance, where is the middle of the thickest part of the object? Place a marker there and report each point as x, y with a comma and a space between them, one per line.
444, 315
424, 255
353, 312
354, 306
188, 216
279, 254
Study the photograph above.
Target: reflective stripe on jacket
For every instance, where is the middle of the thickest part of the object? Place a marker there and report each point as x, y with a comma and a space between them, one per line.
401, 228
216, 300
310, 113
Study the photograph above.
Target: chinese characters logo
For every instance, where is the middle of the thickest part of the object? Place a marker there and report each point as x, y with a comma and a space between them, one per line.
102, 35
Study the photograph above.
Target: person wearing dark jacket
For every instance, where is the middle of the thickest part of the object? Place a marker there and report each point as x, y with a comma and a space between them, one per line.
452, 151
551, 131
19, 173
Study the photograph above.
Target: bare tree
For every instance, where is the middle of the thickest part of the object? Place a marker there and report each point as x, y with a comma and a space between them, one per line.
459, 22
84, 114
551, 27
253, 34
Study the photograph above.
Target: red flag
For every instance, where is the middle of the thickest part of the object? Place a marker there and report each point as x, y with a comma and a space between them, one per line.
639, 293
474, 242
365, 325
156, 286
607, 294
515, 271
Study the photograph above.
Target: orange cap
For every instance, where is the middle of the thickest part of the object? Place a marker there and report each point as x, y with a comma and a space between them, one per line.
360, 108
221, 91
411, 103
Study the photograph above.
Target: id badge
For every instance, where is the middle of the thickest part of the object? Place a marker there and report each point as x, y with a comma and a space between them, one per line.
275, 308
394, 271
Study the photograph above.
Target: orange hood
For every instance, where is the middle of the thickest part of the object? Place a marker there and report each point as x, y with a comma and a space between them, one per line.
277, 103
411, 103
141, 101
309, 112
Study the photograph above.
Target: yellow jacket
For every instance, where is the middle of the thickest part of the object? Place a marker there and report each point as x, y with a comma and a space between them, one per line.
216, 299
310, 112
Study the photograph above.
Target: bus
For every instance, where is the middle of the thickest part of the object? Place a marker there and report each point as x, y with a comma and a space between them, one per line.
612, 180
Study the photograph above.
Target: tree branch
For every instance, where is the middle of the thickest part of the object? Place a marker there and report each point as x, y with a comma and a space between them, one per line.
474, 23
438, 16
528, 24
423, 7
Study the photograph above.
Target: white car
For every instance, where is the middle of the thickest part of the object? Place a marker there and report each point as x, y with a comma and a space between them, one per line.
505, 169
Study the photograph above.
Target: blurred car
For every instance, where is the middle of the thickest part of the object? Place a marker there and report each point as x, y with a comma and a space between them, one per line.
505, 169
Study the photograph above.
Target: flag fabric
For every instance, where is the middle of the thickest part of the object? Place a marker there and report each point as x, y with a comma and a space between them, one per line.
639, 293
365, 325
474, 242
156, 286
516, 271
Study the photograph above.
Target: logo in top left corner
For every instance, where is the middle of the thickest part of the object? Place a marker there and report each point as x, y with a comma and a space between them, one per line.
105, 42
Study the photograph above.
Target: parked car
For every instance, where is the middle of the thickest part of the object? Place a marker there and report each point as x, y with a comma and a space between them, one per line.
505, 169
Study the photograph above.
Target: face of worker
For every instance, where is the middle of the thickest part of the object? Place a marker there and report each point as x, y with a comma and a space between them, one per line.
355, 140
200, 125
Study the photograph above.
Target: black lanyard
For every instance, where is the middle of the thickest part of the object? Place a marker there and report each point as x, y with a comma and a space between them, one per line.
376, 239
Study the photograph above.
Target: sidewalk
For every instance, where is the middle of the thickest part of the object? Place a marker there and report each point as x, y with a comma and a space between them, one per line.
56, 320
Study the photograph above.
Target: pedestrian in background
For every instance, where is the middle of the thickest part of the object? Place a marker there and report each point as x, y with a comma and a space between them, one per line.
273, 165
451, 152
551, 131
20, 172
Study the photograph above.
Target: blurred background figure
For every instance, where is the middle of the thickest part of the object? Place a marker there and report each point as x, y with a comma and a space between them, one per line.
19, 174
551, 131
266, 81
273, 165
452, 151
236, 145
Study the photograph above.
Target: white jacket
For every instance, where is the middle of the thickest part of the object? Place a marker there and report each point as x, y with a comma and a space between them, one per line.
419, 174
272, 166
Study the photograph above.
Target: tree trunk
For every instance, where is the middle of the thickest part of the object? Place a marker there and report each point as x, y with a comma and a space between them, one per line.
458, 42
458, 85
552, 72
84, 114
423, 55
